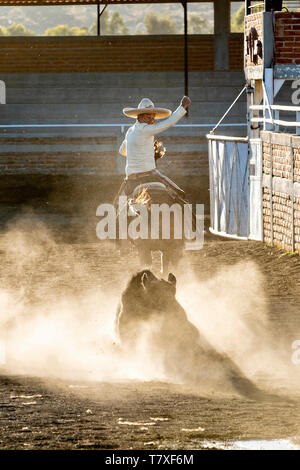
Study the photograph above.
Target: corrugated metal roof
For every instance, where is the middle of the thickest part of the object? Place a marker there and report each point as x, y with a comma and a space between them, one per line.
8, 3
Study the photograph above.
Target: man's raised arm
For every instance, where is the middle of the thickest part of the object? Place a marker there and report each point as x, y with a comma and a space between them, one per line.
161, 126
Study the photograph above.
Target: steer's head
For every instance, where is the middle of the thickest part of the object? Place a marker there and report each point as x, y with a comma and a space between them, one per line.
159, 292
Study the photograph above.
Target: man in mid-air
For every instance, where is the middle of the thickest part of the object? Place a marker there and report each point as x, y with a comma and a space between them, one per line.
138, 145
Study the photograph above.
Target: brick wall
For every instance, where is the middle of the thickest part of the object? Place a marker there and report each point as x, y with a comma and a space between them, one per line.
60, 156
236, 50
111, 54
287, 37
21, 161
281, 199
254, 21
184, 161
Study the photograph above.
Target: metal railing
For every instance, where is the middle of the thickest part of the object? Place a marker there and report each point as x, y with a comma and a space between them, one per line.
226, 138
229, 186
121, 126
274, 116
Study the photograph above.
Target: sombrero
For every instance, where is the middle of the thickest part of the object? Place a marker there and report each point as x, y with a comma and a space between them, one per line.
146, 106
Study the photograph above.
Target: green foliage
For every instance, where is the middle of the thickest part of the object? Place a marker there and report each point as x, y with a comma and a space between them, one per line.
15, 30
155, 24
64, 30
199, 25
110, 25
237, 21
113, 24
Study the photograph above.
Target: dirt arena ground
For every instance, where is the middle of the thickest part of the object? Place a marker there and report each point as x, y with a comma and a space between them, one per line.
46, 404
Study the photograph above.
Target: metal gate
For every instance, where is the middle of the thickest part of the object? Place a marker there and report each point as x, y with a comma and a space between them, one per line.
229, 186
256, 208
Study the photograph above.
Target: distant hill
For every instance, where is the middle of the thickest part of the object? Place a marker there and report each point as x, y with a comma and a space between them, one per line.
38, 19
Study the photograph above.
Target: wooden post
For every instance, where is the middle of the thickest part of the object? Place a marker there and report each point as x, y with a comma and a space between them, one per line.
268, 97
247, 7
257, 98
250, 101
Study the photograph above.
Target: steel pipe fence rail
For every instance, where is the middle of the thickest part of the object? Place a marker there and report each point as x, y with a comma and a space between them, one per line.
275, 119
121, 126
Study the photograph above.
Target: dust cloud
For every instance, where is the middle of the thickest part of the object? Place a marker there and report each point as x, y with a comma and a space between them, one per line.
231, 311
58, 320
55, 318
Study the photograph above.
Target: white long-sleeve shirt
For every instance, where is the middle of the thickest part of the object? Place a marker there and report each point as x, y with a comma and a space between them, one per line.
138, 145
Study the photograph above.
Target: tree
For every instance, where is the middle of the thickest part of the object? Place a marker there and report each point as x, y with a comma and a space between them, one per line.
79, 31
155, 24
110, 25
64, 30
199, 25
237, 22
15, 30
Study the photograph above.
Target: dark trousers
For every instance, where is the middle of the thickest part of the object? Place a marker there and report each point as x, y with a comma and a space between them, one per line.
130, 183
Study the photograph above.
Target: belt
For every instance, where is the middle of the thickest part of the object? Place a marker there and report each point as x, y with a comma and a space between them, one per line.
135, 176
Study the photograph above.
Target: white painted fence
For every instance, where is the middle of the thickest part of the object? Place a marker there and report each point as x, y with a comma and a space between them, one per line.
271, 116
229, 185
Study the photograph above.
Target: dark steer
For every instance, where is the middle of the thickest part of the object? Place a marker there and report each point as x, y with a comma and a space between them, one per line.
149, 302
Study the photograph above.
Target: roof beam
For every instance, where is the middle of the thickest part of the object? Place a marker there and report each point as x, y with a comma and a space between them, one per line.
86, 2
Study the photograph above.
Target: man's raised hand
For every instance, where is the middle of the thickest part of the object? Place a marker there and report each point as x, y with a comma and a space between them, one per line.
185, 102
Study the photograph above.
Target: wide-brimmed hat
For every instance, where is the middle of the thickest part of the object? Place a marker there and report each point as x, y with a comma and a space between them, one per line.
146, 106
